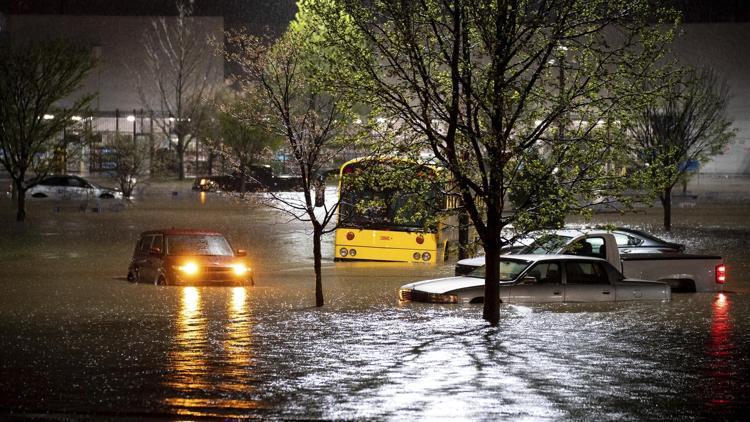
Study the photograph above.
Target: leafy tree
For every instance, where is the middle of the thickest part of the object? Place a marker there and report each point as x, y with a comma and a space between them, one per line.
34, 78
508, 95
177, 77
314, 121
687, 123
244, 135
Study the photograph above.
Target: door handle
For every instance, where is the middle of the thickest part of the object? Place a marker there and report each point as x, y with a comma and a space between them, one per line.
605, 292
556, 293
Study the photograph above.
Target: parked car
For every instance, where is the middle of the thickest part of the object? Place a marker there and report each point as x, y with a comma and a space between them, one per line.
258, 178
541, 279
182, 256
636, 241
71, 187
684, 272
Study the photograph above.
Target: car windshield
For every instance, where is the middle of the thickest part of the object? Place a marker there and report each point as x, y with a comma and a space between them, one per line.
544, 245
509, 269
198, 245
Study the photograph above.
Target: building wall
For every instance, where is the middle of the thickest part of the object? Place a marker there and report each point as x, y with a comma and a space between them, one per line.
724, 47
117, 41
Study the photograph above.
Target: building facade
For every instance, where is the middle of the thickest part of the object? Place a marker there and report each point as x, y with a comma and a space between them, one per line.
127, 102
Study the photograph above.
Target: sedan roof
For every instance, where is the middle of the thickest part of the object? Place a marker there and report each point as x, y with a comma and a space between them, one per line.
174, 231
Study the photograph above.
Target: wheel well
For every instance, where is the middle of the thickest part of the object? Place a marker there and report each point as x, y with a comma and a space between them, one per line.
106, 196
680, 285
479, 299
38, 195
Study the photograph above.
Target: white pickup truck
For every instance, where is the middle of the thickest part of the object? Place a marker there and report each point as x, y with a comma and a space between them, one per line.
683, 272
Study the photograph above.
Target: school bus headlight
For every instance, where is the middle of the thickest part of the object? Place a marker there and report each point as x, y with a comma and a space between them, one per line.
240, 269
343, 252
189, 268
426, 256
416, 256
352, 252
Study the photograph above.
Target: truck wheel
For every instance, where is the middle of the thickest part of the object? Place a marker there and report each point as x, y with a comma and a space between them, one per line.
161, 280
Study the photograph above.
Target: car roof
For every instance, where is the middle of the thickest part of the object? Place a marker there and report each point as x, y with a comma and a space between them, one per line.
555, 257
174, 231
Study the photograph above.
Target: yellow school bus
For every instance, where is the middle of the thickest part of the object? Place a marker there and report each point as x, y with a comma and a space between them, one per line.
388, 218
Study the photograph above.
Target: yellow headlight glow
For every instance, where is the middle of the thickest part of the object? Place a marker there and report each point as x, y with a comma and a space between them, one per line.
189, 268
239, 269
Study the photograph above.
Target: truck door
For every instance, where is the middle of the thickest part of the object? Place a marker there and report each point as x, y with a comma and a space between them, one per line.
542, 284
587, 281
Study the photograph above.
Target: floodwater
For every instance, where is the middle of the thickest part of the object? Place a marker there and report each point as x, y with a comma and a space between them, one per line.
78, 341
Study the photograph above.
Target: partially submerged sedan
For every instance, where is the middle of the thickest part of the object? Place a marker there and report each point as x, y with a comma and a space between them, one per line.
183, 256
540, 279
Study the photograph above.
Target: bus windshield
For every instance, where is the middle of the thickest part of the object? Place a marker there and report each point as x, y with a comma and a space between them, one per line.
388, 194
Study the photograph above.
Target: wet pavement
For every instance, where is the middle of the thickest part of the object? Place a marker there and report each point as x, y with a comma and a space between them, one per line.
78, 341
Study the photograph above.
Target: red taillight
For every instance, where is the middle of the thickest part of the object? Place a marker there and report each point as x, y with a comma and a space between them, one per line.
721, 274
420, 239
349, 236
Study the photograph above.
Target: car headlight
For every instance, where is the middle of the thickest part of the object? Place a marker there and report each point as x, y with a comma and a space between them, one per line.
189, 268
240, 269
441, 298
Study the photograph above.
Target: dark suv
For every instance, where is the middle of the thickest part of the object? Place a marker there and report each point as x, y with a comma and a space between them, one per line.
182, 256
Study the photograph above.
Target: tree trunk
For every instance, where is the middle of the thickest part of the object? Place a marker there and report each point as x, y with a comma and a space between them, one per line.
463, 234
243, 176
491, 311
317, 234
20, 200
666, 202
180, 158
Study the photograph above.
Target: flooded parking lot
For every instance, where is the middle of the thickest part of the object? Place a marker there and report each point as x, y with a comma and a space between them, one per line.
78, 340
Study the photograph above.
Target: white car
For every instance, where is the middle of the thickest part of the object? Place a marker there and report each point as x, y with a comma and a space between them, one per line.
541, 279
71, 187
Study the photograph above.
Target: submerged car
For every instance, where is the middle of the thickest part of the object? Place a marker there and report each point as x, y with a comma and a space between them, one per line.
186, 257
71, 187
629, 241
540, 279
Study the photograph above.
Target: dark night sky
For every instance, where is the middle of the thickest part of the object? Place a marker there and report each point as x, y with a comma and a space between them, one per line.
257, 15
276, 14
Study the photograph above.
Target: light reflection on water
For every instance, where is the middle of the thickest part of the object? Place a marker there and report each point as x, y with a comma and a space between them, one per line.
210, 373
720, 351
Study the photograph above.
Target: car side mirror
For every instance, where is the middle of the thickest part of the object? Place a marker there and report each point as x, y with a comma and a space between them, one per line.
154, 252
241, 252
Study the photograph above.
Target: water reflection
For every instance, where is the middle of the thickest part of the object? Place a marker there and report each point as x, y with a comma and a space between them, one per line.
721, 359
210, 371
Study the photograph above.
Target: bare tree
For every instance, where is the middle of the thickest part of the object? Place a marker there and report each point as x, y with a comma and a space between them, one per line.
179, 74
130, 159
688, 123
34, 78
508, 95
315, 123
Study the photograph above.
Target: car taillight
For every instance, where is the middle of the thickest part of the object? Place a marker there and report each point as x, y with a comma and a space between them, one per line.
420, 239
721, 274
